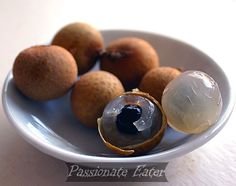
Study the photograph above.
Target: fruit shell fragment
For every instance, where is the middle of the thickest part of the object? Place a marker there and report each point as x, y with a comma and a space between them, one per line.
139, 148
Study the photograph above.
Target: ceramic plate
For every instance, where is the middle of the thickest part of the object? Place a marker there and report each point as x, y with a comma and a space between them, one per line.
52, 128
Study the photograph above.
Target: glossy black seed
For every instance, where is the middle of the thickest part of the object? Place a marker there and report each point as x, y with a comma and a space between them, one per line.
128, 115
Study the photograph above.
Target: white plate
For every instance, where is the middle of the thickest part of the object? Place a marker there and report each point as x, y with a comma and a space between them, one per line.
52, 128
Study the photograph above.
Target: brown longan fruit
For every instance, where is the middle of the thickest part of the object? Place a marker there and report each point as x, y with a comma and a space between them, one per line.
91, 94
129, 59
155, 81
44, 72
83, 41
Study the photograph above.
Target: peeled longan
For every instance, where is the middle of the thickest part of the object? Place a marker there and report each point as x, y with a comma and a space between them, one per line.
129, 59
155, 81
83, 41
91, 94
44, 72
192, 102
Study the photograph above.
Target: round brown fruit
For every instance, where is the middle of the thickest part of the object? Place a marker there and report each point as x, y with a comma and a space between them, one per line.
155, 81
129, 59
91, 94
44, 72
83, 41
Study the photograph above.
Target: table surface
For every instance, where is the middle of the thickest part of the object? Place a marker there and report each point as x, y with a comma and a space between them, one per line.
208, 25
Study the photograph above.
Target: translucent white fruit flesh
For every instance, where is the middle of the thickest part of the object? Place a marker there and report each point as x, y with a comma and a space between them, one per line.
192, 102
148, 124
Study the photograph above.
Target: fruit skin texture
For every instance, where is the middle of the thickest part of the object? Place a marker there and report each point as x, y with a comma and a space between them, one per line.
44, 72
129, 59
83, 41
91, 94
155, 81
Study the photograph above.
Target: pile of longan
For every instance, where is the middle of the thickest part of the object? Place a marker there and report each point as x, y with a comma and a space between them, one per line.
51, 71
48, 72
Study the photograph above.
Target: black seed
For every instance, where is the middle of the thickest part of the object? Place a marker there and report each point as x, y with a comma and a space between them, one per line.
128, 115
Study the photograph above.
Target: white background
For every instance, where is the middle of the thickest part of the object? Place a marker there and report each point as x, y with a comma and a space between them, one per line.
208, 25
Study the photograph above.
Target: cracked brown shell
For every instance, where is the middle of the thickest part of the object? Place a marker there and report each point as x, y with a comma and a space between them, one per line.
146, 145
